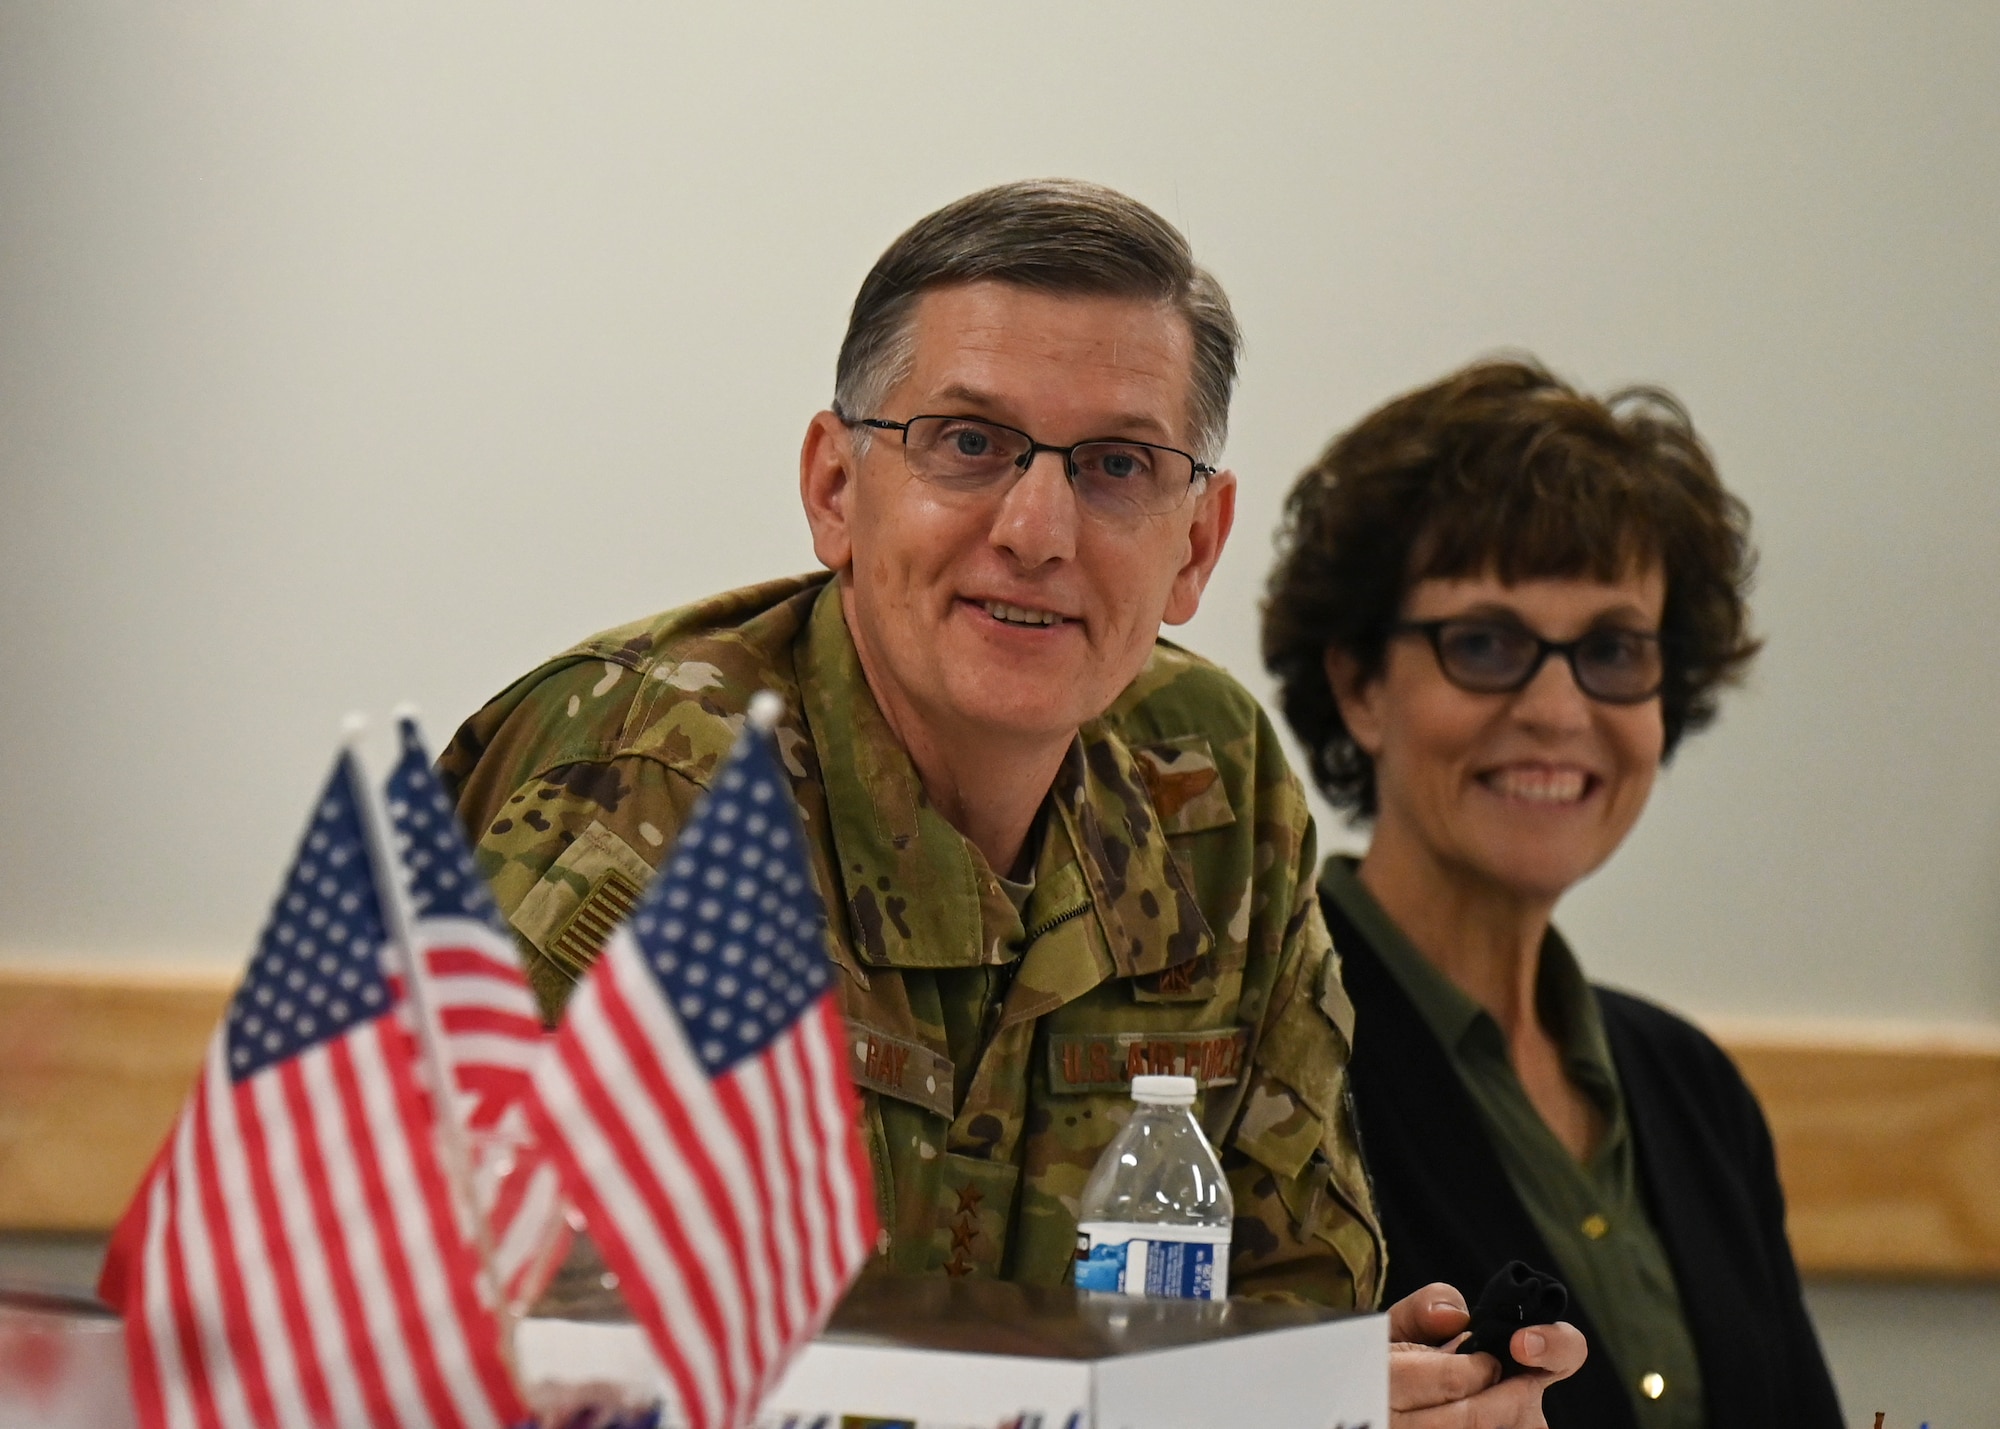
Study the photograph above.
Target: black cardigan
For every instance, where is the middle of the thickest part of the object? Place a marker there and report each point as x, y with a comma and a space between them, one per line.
1705, 1164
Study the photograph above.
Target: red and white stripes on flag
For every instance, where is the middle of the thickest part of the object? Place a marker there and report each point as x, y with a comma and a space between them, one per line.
298, 1263
492, 1036
485, 1011
294, 1256
699, 1107
485, 1018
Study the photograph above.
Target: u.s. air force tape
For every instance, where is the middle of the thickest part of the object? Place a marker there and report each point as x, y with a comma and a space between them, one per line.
897, 1067
1108, 1061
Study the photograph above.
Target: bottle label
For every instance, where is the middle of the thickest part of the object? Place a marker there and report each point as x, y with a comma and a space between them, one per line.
1178, 1262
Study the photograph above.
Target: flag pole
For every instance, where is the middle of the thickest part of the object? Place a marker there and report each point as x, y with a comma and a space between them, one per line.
430, 1042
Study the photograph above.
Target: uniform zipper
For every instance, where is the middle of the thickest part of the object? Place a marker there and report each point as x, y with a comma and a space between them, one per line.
1002, 981
1049, 925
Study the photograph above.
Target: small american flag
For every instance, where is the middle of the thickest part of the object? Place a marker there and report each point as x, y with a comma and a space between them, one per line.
486, 1018
294, 1256
699, 1104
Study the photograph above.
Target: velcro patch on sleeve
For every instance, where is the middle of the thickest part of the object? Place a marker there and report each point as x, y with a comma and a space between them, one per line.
897, 1067
611, 901
1082, 1062
586, 893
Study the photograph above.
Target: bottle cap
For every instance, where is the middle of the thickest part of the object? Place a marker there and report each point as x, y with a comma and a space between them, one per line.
1164, 1091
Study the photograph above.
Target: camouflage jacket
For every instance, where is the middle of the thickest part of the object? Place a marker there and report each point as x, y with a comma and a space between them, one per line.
1172, 927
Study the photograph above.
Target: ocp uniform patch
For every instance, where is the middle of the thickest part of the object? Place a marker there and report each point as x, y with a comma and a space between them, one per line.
1186, 784
585, 894
1082, 1063
1213, 976
899, 1067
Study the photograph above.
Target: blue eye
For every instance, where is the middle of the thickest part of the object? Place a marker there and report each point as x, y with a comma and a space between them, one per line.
1115, 463
970, 441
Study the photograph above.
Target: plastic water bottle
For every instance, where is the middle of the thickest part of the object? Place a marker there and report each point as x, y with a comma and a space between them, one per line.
1156, 1210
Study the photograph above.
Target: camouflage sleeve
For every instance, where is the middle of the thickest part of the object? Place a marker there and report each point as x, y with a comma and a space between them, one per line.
1306, 1226
567, 830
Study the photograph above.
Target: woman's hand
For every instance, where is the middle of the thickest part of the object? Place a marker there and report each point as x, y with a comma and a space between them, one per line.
1432, 1388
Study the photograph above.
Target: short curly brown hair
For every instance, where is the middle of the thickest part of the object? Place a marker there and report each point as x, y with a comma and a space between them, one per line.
1502, 468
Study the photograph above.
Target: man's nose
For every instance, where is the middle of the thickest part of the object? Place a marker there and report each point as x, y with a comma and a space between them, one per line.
1037, 519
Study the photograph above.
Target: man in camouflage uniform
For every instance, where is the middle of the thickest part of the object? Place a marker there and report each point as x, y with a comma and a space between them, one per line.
1056, 851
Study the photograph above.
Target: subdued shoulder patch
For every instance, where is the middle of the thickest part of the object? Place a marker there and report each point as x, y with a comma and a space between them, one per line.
611, 901
1187, 786
585, 894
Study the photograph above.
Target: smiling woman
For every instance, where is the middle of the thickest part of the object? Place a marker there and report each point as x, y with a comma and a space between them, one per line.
1498, 607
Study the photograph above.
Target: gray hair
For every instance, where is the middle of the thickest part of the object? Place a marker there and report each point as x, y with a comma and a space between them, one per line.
1058, 236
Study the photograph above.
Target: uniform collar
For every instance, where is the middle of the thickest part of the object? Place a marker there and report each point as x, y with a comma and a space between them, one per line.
921, 896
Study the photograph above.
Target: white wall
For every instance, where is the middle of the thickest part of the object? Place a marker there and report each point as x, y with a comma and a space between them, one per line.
365, 352
360, 353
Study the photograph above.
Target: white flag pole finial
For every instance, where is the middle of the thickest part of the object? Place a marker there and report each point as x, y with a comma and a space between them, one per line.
407, 710
353, 725
765, 707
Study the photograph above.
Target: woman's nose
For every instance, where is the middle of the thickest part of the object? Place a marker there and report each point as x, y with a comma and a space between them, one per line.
1552, 699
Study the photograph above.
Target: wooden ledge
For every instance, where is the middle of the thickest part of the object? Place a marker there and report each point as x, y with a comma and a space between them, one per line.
1888, 1135
1888, 1141
93, 1067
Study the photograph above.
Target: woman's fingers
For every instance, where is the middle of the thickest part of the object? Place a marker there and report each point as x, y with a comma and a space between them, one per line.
1425, 1377
1429, 1316
1557, 1349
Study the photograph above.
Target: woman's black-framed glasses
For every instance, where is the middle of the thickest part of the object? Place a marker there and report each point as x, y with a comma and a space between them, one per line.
1497, 657
1111, 476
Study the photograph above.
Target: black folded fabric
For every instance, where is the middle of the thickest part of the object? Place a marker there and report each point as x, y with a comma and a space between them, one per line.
1517, 1295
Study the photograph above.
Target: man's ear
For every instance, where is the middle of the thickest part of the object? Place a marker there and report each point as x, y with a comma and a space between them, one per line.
827, 470
1359, 699
1214, 515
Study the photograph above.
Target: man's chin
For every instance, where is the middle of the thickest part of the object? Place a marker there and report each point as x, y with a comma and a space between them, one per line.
1019, 727
1005, 717
1042, 691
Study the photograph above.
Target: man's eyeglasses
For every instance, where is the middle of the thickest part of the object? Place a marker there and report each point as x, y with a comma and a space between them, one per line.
1497, 657
1114, 478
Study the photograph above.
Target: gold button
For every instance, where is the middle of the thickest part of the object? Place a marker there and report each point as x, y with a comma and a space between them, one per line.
1653, 1385
1596, 1227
